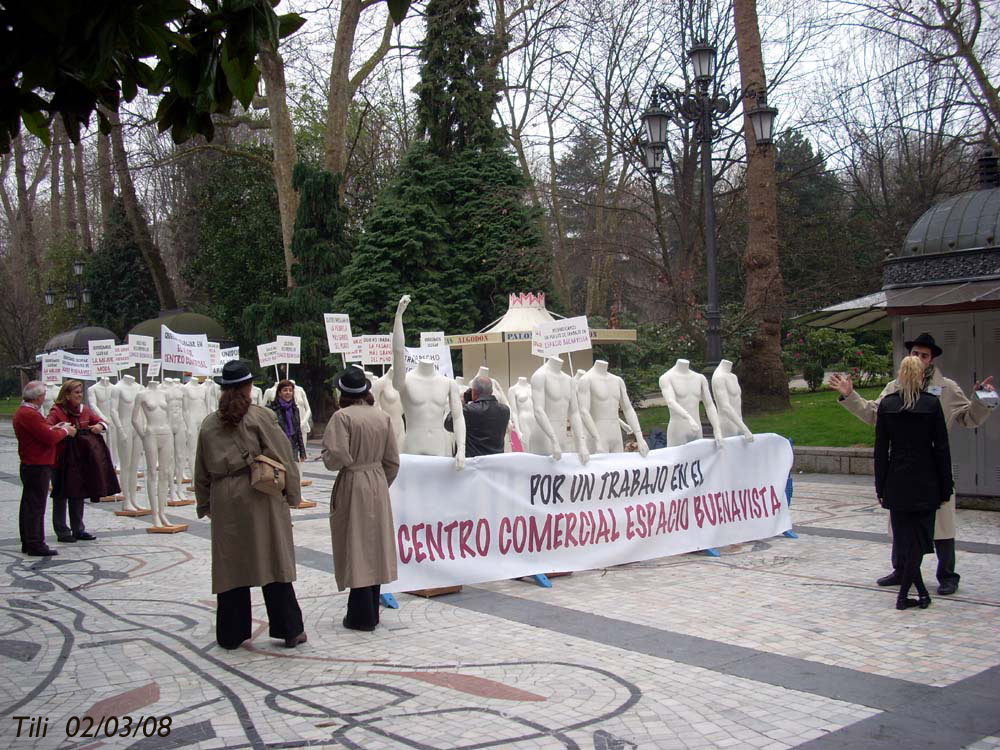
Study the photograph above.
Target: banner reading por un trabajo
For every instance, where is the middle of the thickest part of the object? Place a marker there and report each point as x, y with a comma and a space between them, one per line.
516, 514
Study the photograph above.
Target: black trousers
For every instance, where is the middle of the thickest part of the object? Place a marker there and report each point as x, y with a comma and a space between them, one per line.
913, 534
362, 607
945, 550
31, 517
232, 614
59, 505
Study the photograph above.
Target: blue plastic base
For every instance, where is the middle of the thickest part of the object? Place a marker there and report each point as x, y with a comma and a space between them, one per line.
790, 534
712, 552
542, 580
388, 600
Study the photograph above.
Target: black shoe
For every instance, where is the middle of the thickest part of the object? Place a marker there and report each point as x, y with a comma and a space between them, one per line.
41, 552
67, 539
947, 588
890, 580
84, 536
904, 603
924, 601
293, 642
366, 628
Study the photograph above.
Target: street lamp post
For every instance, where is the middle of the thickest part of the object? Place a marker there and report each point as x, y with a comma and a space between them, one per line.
76, 294
703, 107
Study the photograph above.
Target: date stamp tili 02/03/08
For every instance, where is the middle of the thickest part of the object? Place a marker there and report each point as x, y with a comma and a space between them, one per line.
102, 726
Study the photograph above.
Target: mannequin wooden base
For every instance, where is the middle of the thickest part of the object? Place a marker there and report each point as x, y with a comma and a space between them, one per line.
306, 482
111, 499
134, 513
174, 528
186, 481
304, 504
179, 503
428, 593
559, 575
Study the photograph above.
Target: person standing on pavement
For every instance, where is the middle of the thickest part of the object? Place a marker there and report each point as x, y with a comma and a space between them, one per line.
958, 410
288, 417
912, 473
36, 448
360, 445
486, 419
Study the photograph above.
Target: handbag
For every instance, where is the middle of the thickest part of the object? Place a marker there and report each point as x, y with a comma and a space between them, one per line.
266, 474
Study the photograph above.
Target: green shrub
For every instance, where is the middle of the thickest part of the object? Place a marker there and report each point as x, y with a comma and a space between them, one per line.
813, 374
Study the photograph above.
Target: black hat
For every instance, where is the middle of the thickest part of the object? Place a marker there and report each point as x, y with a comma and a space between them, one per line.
924, 339
352, 382
234, 372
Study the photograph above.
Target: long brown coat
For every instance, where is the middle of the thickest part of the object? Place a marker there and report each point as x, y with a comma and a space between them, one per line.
360, 444
251, 531
958, 411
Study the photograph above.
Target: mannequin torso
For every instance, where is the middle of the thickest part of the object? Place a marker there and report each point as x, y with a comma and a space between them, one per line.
388, 400
555, 409
602, 396
729, 400
522, 410
684, 389
152, 405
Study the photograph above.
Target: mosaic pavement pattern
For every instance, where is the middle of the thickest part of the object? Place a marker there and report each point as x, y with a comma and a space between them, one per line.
779, 643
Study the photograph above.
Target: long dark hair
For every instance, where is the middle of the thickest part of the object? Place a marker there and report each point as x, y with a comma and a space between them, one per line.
234, 403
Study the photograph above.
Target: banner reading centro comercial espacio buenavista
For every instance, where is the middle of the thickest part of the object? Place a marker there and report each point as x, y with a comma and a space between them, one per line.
517, 514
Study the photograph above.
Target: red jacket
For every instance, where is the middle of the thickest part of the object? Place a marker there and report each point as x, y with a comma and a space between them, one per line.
36, 440
82, 420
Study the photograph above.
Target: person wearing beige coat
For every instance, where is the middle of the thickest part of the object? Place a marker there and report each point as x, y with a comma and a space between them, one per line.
959, 411
360, 445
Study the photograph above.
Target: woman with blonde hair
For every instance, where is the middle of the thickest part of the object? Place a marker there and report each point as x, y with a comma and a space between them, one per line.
912, 473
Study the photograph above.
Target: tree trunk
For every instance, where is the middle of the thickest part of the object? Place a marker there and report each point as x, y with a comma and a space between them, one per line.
81, 199
762, 374
69, 194
55, 206
150, 253
335, 140
105, 180
283, 137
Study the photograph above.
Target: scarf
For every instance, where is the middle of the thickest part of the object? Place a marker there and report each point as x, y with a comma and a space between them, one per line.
928, 375
286, 408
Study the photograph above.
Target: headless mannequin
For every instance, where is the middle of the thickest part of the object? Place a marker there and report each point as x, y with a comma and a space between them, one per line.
601, 396
270, 394
123, 397
196, 395
305, 413
684, 389
174, 392
151, 420
213, 395
554, 402
256, 396
51, 394
522, 410
99, 399
590, 431
388, 400
729, 400
426, 394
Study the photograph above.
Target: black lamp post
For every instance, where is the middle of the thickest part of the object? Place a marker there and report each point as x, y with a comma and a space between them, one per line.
705, 108
76, 294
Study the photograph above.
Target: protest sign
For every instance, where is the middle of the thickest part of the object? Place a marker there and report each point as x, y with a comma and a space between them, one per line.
185, 352
561, 336
77, 366
123, 357
140, 348
378, 350
357, 351
431, 338
536, 342
215, 358
289, 349
439, 355
52, 368
267, 354
102, 357
153, 370
338, 332
533, 514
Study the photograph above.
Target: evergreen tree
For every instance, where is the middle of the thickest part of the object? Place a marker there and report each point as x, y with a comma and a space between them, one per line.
122, 289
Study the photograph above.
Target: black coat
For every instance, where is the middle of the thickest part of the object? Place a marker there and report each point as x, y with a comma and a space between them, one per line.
912, 457
298, 444
485, 426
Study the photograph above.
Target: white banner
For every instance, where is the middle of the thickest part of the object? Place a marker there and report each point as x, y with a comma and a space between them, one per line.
561, 336
153, 370
289, 349
77, 366
267, 354
357, 351
140, 348
439, 355
123, 357
228, 355
536, 342
338, 332
102, 357
526, 514
378, 349
52, 367
185, 352
431, 338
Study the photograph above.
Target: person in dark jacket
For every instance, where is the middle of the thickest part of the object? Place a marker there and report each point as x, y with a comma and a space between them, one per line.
912, 473
288, 417
486, 420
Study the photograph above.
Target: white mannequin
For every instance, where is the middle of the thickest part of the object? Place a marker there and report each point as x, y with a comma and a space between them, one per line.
426, 394
256, 396
601, 396
462, 387
522, 410
729, 400
51, 394
213, 395
99, 399
196, 395
270, 394
683, 389
174, 392
388, 400
554, 402
123, 396
151, 420
305, 413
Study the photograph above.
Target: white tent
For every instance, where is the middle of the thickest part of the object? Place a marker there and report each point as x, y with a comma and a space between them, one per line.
505, 346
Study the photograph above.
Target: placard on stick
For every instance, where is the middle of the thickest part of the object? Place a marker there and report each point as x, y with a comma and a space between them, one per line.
102, 357
52, 371
378, 350
338, 332
289, 349
140, 348
267, 354
561, 336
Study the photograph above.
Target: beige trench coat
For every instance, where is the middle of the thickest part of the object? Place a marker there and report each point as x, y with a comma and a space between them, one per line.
359, 443
958, 411
251, 531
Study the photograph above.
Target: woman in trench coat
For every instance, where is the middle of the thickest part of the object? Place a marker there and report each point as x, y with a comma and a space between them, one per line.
360, 445
251, 531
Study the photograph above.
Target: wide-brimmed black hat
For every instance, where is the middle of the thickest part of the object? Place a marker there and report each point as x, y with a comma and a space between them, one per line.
352, 382
924, 339
235, 371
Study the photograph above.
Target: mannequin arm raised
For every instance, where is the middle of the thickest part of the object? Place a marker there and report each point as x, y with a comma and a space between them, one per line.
399, 347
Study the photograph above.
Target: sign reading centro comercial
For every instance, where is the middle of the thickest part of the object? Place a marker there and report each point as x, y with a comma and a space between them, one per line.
185, 352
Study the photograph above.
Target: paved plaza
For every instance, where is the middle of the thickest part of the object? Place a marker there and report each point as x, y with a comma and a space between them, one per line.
776, 644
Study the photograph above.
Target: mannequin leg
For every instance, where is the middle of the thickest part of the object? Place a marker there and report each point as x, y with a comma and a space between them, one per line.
149, 450
130, 467
164, 472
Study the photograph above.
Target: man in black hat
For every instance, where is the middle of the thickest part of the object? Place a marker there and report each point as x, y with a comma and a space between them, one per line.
958, 410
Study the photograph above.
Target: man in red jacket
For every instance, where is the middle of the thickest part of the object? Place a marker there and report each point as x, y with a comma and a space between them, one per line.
36, 446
